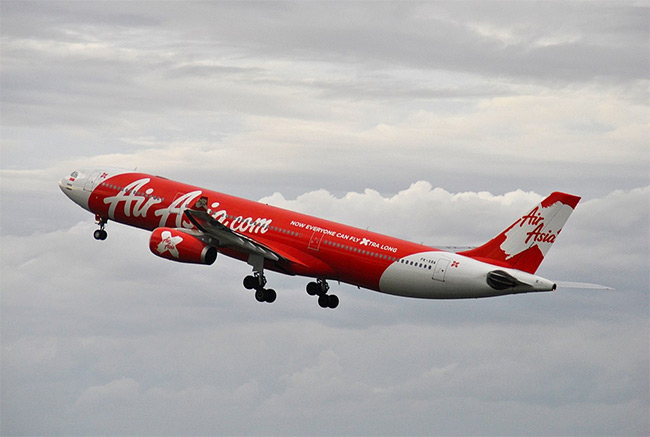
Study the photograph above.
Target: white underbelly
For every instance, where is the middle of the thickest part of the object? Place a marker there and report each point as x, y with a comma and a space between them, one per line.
440, 275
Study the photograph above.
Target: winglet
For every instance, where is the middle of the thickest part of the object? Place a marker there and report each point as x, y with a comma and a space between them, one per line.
524, 244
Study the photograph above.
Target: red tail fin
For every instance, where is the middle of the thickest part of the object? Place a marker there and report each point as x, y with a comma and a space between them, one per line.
524, 244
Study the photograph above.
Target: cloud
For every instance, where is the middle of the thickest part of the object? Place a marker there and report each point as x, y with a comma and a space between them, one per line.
409, 92
132, 343
532, 41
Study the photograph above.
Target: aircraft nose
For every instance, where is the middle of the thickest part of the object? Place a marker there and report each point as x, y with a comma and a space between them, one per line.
72, 187
62, 182
66, 183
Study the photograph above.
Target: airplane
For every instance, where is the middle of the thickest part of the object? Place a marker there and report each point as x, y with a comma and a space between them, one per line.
193, 225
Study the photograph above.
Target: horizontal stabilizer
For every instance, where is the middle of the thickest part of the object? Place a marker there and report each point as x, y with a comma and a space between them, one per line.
454, 249
582, 285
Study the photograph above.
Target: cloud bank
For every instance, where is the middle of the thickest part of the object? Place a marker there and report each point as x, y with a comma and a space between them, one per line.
135, 344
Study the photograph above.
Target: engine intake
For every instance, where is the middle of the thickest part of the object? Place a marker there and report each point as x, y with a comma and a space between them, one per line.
179, 245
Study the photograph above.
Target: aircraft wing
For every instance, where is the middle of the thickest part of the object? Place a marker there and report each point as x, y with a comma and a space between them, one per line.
290, 260
227, 237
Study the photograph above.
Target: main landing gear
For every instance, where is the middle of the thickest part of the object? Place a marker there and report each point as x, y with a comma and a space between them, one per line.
100, 234
320, 289
256, 282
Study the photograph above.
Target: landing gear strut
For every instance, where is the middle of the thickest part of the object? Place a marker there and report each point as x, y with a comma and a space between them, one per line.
320, 289
257, 281
100, 234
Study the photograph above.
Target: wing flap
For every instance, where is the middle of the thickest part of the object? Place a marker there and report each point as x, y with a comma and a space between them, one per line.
227, 237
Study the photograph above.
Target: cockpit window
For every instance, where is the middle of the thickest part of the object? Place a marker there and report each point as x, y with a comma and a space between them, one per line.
74, 174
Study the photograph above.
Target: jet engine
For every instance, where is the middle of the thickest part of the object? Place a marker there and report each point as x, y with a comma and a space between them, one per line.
180, 245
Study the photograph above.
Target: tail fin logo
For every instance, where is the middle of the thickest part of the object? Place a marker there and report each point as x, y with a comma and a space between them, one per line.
534, 230
524, 243
533, 217
538, 235
541, 237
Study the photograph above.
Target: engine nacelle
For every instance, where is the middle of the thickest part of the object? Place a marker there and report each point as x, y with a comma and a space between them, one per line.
180, 245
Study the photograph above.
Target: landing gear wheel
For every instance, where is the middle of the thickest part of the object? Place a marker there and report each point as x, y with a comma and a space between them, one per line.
328, 301
320, 288
250, 282
313, 288
324, 301
260, 295
264, 295
270, 295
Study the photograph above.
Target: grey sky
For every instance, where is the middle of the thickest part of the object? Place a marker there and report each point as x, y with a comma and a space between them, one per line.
438, 122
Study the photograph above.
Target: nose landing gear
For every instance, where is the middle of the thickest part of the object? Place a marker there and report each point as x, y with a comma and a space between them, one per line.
100, 234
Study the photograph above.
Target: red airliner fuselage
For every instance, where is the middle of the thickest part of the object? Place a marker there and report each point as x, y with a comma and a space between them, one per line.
192, 224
